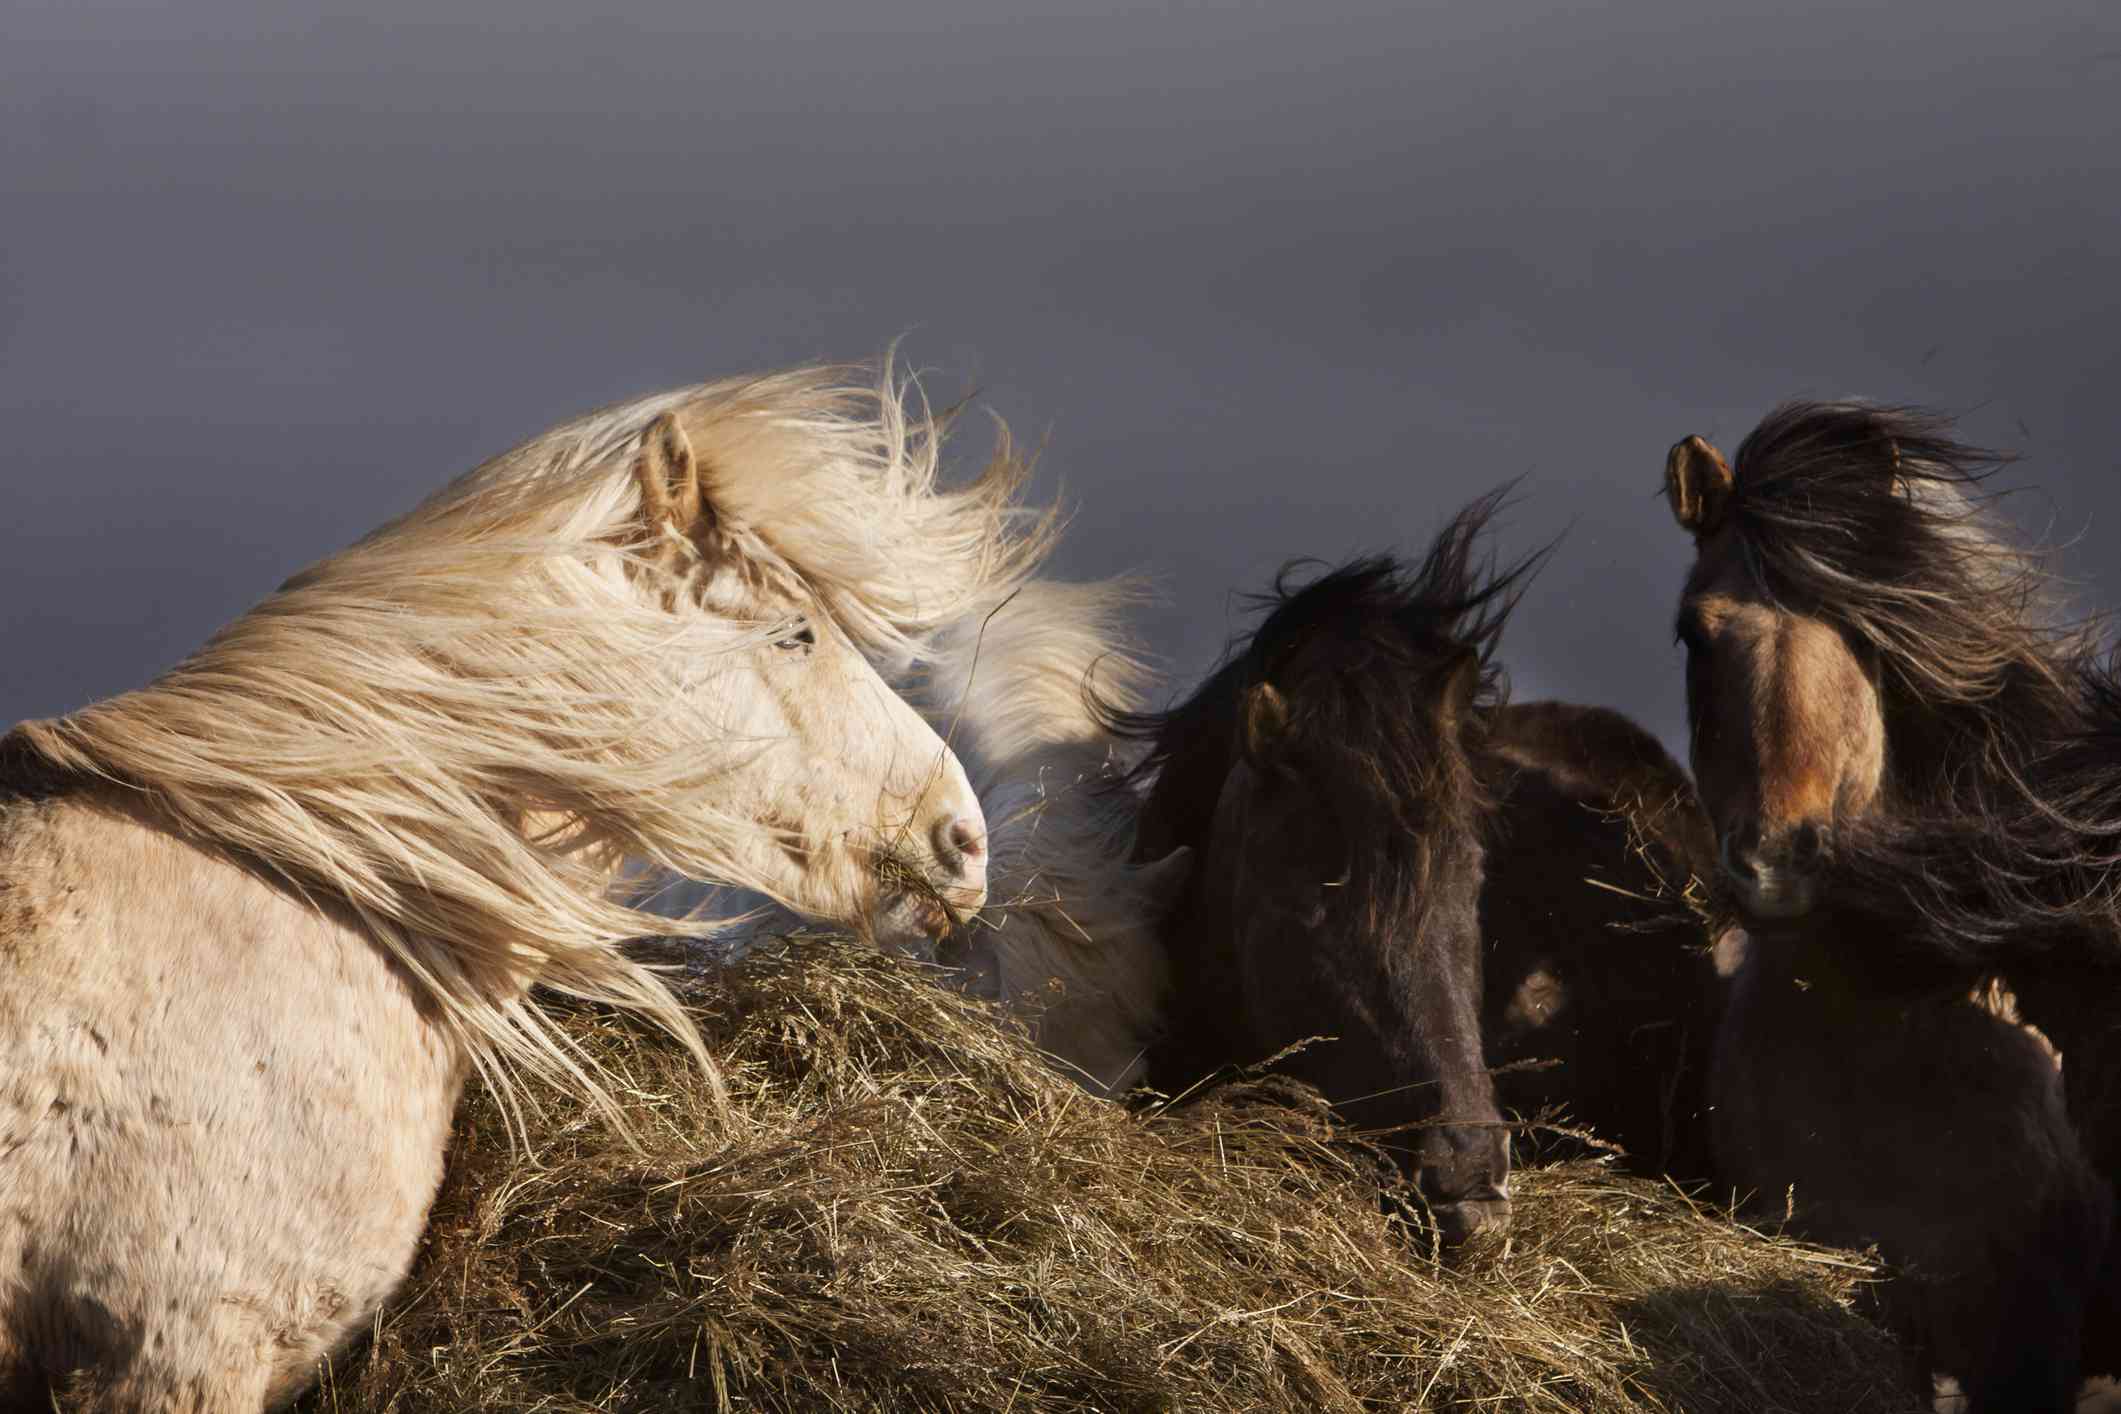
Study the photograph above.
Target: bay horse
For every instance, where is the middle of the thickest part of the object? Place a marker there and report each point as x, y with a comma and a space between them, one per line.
1861, 639
1356, 790
260, 917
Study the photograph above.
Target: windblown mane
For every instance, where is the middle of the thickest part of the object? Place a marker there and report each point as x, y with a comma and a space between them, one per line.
1387, 683
1369, 719
1394, 629
2012, 870
1877, 520
1070, 932
1025, 677
389, 729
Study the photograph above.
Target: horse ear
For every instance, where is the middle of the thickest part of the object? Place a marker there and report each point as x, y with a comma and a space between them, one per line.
1901, 486
1697, 483
1266, 717
1162, 883
669, 477
1461, 684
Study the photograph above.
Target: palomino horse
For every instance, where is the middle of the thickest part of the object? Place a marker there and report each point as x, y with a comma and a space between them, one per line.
1069, 939
1858, 641
1361, 796
258, 918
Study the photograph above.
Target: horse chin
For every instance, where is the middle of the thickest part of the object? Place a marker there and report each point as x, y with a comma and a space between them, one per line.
911, 923
1460, 1223
1773, 901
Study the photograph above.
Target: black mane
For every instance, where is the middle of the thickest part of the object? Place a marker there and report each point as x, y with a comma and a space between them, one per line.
1375, 636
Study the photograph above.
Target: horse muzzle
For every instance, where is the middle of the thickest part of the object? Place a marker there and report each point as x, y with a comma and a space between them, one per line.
1460, 1222
1777, 882
917, 910
960, 870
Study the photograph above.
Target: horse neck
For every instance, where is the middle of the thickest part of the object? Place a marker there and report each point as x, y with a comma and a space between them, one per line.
1195, 748
1060, 764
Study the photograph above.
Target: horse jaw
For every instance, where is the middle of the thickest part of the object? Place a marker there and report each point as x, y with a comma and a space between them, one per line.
1771, 896
912, 923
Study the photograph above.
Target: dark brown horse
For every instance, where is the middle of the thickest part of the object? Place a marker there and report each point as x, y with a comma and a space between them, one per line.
1383, 847
1859, 643
1596, 945
2018, 875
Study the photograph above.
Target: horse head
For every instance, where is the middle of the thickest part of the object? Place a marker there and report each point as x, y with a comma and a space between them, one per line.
1855, 635
869, 814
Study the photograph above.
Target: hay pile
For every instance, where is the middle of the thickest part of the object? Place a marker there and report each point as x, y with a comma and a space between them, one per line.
905, 1210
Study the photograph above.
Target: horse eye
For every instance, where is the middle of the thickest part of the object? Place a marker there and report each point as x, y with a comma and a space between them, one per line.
804, 637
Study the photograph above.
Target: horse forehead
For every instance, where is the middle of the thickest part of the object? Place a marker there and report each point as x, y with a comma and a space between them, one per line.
1779, 640
1814, 650
741, 586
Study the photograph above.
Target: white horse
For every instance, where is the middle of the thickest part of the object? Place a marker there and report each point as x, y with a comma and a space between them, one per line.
258, 918
1069, 939
1068, 942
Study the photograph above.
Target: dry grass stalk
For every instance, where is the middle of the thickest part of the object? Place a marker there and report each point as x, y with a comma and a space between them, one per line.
905, 1209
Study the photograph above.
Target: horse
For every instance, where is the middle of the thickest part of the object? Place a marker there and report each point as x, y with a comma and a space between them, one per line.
2015, 879
1861, 639
1068, 942
1067, 945
260, 918
1598, 929
1374, 826
2016, 876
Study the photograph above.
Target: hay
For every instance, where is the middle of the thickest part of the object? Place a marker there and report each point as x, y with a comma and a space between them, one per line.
906, 1210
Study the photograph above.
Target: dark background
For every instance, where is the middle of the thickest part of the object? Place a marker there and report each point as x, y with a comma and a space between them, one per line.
1266, 280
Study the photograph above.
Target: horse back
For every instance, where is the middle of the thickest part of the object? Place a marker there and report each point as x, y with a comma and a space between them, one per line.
27, 775
1595, 954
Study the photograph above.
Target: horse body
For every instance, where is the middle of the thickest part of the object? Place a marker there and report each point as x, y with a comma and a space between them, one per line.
1991, 1207
1595, 954
259, 919
224, 1119
1859, 645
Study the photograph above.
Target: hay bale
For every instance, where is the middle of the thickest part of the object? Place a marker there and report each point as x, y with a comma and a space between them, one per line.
905, 1209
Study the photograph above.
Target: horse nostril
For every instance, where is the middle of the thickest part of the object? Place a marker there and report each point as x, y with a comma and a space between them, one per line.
1807, 844
1736, 860
958, 841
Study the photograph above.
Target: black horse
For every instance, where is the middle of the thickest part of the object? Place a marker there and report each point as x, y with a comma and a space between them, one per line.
1392, 858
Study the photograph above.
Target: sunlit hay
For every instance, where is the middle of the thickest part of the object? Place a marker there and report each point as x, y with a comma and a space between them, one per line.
1684, 896
905, 1208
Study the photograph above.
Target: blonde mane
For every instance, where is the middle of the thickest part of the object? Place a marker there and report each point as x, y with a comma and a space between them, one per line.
1069, 939
458, 727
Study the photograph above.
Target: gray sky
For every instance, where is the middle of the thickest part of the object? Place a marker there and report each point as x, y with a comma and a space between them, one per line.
1267, 280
